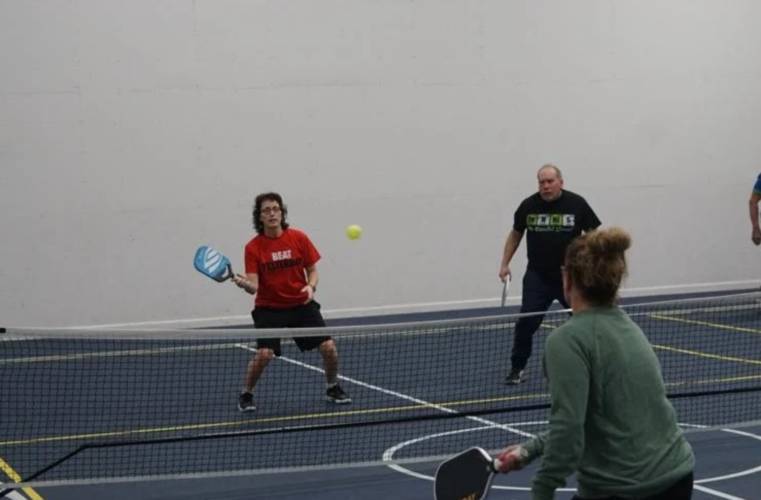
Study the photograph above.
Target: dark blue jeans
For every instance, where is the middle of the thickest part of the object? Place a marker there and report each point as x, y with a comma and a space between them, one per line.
539, 291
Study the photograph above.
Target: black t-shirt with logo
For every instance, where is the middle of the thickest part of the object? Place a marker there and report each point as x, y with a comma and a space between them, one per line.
551, 226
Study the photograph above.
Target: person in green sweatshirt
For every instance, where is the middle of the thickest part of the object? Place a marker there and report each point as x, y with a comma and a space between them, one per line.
610, 421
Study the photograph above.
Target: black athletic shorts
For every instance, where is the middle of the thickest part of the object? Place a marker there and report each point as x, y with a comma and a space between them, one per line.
681, 490
303, 316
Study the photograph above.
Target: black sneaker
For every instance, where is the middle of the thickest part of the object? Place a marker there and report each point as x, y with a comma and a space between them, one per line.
335, 394
515, 377
246, 402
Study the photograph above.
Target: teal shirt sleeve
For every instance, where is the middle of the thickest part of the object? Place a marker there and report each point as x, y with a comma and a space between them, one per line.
568, 373
757, 186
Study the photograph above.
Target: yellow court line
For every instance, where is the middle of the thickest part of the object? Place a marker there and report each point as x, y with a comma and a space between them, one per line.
707, 355
724, 380
240, 423
706, 323
13, 475
83, 356
369, 411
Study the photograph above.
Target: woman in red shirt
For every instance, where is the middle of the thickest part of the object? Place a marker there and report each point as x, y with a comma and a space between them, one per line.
281, 271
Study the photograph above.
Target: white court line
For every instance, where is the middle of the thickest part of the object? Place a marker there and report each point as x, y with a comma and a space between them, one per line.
716, 493
13, 495
735, 475
389, 455
405, 397
505, 427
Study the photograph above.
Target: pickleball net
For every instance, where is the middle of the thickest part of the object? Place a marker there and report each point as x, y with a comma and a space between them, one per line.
84, 406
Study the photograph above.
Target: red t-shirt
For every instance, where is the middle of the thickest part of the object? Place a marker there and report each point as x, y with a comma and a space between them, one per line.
280, 264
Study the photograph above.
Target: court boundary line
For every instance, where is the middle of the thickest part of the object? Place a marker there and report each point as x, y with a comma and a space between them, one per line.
14, 476
718, 326
696, 485
500, 426
396, 394
700, 354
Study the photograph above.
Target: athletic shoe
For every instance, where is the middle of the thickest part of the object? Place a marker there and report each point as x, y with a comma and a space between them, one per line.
335, 394
246, 402
515, 377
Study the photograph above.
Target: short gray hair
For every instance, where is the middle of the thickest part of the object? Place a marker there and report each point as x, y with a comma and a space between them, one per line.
553, 167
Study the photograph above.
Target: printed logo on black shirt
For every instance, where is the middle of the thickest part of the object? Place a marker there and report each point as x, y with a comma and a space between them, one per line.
550, 222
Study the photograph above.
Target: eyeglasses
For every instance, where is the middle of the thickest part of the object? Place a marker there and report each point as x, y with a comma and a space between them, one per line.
271, 210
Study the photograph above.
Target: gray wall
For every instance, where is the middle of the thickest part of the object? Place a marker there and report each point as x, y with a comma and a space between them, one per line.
131, 132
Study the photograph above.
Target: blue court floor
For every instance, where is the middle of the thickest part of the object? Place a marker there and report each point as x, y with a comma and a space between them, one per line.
728, 467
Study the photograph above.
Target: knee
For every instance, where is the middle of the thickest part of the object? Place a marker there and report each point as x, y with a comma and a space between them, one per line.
264, 355
328, 348
525, 327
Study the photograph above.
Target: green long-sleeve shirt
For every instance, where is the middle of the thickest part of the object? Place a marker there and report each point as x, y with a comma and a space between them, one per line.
610, 420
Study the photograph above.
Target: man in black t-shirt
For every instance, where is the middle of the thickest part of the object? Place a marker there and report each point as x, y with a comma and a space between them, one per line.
553, 217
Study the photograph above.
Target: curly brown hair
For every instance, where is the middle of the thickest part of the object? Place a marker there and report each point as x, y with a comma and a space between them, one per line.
596, 264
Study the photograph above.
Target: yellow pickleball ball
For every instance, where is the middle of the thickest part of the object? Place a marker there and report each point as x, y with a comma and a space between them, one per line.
353, 232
